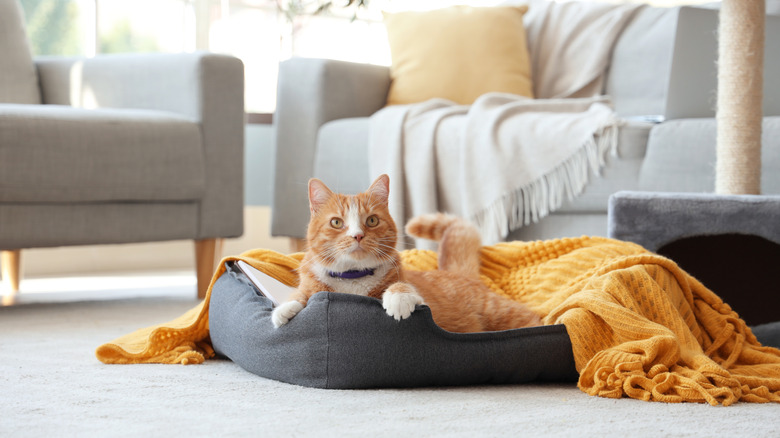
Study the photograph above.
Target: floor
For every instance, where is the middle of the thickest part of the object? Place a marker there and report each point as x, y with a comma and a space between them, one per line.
53, 385
104, 286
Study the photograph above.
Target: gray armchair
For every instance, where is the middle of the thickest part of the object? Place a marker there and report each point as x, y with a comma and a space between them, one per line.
117, 149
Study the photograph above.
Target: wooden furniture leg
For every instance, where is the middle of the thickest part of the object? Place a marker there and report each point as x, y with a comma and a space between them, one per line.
10, 260
208, 252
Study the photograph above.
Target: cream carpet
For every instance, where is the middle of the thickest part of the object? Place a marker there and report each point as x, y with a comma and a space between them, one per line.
52, 385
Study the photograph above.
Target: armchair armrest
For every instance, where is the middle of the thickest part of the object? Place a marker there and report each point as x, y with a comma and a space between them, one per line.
206, 87
312, 92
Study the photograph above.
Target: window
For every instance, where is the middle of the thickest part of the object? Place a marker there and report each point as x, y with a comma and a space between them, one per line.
256, 31
55, 26
260, 32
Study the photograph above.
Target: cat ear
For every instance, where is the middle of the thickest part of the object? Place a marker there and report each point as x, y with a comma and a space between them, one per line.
319, 194
380, 188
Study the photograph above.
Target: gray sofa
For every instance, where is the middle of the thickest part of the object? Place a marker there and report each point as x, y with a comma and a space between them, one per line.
117, 149
322, 123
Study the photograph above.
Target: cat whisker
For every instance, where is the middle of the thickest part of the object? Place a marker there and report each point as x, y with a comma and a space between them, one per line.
388, 256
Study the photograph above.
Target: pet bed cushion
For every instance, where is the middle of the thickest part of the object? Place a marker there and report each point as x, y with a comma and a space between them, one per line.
348, 341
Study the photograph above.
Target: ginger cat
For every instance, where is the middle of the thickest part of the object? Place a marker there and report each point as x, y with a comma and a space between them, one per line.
351, 249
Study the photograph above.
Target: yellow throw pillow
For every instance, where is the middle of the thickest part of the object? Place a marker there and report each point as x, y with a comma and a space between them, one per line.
458, 53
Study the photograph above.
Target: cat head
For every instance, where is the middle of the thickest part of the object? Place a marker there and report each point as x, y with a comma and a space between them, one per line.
346, 229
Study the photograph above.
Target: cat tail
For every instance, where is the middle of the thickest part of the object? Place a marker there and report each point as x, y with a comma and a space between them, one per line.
460, 242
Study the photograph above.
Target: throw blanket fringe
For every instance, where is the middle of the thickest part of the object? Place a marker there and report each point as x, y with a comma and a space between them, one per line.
640, 327
529, 204
503, 162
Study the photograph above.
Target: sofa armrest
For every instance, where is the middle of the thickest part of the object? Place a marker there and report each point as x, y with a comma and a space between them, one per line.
312, 92
206, 87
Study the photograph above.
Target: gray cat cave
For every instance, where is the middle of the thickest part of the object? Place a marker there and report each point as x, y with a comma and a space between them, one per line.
729, 239
731, 243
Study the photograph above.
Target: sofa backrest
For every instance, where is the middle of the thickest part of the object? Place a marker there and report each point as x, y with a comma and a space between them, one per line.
18, 77
570, 44
641, 60
641, 64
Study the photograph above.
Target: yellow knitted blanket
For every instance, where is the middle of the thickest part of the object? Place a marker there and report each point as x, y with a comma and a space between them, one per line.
639, 325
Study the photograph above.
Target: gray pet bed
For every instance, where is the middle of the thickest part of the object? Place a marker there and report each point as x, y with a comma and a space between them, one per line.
346, 341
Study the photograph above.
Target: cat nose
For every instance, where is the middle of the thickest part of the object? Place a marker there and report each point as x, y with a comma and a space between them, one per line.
358, 237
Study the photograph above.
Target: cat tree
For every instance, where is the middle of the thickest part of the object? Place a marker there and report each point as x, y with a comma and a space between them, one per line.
728, 239
740, 96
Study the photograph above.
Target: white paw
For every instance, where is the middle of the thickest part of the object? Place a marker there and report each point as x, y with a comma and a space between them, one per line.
400, 305
284, 312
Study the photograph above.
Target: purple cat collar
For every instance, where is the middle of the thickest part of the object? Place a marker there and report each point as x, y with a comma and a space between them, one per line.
352, 274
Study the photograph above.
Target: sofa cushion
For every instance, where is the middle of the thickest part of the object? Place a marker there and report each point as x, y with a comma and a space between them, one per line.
457, 53
52, 153
620, 173
18, 79
681, 156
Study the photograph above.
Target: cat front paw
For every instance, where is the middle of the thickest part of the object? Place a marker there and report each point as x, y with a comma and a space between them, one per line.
400, 305
285, 312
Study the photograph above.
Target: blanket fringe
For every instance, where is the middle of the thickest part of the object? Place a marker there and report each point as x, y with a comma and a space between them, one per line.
530, 203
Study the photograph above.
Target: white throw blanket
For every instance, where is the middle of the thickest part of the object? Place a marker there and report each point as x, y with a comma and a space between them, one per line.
570, 44
503, 162
507, 161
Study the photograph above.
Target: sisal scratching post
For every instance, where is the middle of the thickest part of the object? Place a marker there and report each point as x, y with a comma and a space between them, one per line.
740, 89
737, 227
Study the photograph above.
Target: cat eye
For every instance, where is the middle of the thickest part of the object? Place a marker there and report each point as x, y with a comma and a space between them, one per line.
336, 223
372, 221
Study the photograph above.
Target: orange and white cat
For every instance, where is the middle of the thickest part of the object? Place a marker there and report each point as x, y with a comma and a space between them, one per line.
351, 249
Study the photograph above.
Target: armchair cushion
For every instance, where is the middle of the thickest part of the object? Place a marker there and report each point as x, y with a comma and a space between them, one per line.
18, 79
54, 153
201, 87
458, 53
